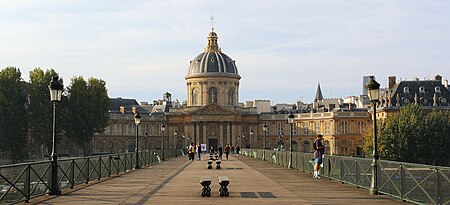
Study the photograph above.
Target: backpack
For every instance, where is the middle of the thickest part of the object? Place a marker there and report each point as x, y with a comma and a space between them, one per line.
314, 145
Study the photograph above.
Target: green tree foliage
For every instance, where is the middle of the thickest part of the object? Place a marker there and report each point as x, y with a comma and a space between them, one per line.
413, 136
13, 114
437, 138
40, 108
87, 110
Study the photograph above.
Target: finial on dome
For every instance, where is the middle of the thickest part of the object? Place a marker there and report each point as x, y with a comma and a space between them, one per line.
212, 46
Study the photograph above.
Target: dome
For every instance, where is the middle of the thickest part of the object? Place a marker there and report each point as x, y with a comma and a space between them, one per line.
212, 61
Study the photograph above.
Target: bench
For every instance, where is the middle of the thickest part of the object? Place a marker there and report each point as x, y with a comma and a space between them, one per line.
218, 162
209, 164
224, 182
205, 181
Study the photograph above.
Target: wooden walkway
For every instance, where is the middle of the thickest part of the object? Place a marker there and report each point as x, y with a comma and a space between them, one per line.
252, 181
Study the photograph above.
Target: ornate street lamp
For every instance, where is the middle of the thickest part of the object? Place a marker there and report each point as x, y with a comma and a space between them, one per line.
291, 123
175, 133
264, 141
373, 88
163, 128
251, 137
137, 121
56, 89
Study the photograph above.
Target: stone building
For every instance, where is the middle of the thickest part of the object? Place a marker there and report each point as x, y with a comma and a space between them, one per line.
214, 116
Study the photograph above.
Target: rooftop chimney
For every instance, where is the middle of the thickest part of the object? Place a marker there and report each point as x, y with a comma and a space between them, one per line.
438, 78
446, 84
392, 82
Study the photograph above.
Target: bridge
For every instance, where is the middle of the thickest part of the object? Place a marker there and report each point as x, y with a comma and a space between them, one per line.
252, 181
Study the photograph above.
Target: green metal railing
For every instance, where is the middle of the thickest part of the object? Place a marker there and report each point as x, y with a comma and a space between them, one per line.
416, 183
21, 182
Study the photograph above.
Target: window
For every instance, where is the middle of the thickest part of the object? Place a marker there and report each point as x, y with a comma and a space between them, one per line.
317, 127
406, 89
327, 127
195, 96
305, 128
280, 127
213, 95
295, 128
422, 89
231, 97
344, 127
437, 89
360, 125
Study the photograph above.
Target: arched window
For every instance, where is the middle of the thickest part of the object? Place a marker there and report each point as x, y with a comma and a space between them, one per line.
437, 89
213, 95
195, 96
422, 89
406, 89
231, 97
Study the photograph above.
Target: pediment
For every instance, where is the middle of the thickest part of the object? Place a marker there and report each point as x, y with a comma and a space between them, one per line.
212, 109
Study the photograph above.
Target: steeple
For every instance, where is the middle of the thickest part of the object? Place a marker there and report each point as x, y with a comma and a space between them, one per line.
319, 95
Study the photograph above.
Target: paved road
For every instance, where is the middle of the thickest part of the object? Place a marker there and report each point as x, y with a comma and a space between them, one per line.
252, 181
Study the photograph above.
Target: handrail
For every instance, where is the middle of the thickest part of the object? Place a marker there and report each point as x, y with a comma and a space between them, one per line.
21, 182
416, 183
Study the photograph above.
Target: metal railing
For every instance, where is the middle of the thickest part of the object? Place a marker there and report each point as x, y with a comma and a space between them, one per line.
21, 182
416, 183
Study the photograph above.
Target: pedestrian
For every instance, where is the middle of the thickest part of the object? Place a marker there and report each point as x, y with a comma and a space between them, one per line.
227, 150
237, 150
319, 151
211, 149
220, 152
191, 151
232, 149
199, 151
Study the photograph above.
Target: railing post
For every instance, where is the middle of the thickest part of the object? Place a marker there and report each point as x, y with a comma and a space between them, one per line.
27, 184
87, 171
342, 170
401, 181
99, 168
109, 166
439, 187
72, 173
356, 173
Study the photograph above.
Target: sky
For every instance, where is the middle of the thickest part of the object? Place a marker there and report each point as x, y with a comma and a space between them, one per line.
282, 49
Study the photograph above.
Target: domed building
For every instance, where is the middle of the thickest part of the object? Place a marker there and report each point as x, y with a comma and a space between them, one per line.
212, 77
213, 115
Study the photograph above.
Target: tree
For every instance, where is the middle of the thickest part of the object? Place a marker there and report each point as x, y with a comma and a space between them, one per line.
438, 136
40, 108
87, 110
414, 136
13, 114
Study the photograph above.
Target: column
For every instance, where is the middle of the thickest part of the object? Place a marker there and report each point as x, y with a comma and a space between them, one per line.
221, 135
228, 132
204, 133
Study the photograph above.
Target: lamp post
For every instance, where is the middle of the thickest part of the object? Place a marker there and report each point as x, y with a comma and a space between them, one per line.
264, 140
146, 140
184, 141
244, 141
137, 121
175, 133
163, 128
373, 88
56, 89
291, 123
251, 137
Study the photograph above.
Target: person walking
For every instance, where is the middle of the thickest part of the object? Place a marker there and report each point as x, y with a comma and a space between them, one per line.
238, 149
199, 151
227, 150
191, 151
220, 152
211, 149
319, 150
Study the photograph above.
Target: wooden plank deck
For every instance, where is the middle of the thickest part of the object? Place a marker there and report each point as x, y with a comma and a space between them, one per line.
252, 181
